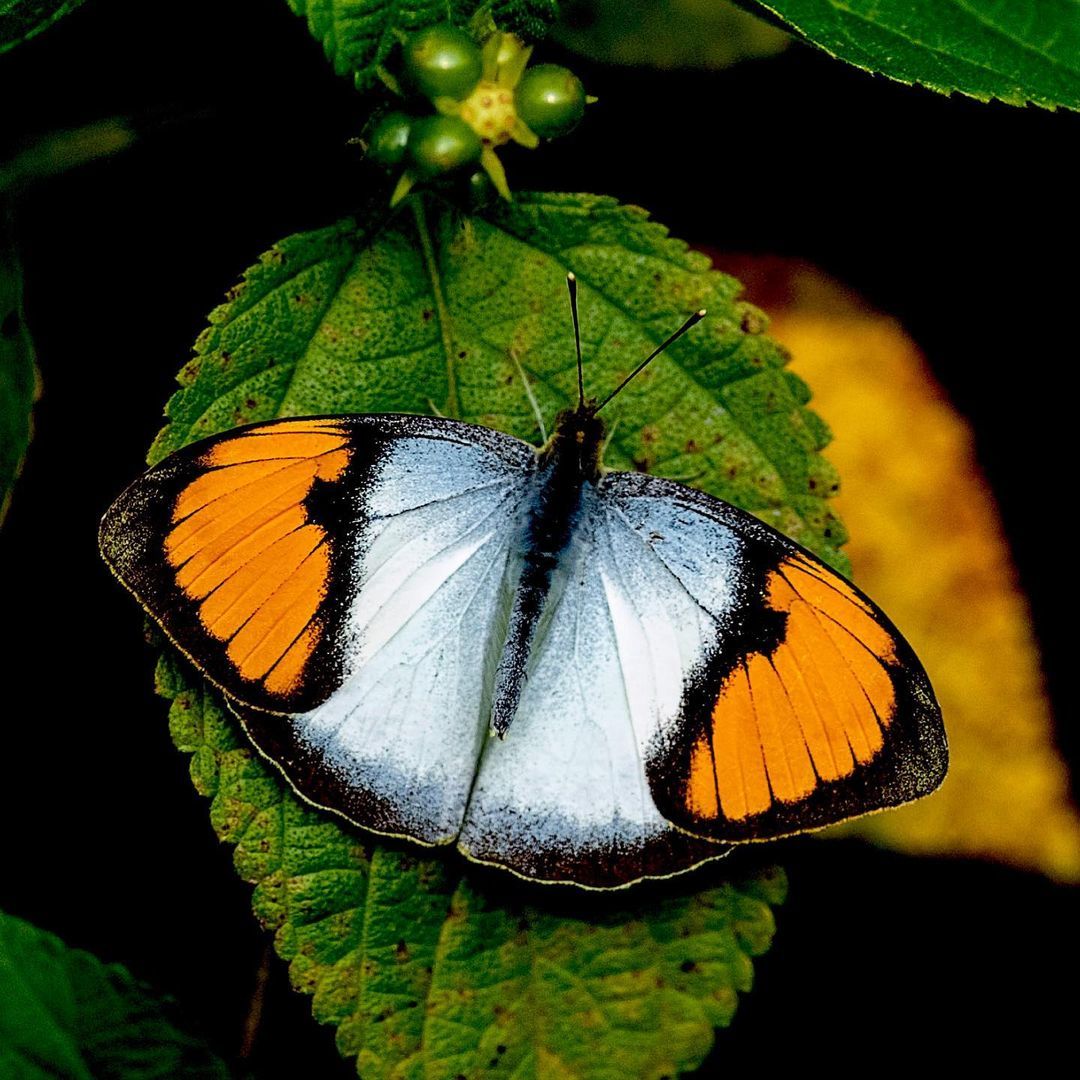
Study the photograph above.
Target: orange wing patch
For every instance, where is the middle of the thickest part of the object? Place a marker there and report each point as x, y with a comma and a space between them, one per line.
813, 709
245, 552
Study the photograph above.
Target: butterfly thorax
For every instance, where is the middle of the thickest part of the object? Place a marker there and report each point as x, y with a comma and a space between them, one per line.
565, 466
576, 443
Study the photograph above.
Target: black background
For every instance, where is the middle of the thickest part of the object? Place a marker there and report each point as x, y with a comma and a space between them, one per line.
957, 217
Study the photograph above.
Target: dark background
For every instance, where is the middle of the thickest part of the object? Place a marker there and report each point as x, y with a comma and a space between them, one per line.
957, 217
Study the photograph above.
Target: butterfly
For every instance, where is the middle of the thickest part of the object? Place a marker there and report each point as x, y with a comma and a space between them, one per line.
376, 596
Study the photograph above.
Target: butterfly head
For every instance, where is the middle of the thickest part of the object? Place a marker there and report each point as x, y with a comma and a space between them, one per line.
579, 434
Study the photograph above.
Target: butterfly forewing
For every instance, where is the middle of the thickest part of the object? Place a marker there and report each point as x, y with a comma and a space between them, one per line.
247, 548
805, 706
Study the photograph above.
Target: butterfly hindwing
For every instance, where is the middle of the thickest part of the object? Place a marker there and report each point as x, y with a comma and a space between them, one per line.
564, 797
805, 706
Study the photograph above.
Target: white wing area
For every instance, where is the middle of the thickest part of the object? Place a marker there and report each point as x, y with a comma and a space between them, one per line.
565, 795
402, 736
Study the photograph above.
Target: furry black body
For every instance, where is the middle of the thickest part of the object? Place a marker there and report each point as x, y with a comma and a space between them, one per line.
568, 462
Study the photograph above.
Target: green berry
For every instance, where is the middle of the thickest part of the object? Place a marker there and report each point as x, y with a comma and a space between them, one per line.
389, 139
438, 144
550, 99
443, 61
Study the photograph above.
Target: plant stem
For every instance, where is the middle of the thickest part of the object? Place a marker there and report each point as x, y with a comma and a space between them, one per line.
453, 405
255, 1006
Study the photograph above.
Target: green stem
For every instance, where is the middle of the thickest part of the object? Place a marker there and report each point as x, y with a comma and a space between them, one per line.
453, 405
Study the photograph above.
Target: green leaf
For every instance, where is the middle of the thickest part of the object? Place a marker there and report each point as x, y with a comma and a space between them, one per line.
1018, 51
366, 317
18, 373
426, 973
63, 1013
667, 33
358, 35
22, 19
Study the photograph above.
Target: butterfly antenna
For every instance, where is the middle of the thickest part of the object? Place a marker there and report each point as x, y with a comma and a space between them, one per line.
692, 321
571, 284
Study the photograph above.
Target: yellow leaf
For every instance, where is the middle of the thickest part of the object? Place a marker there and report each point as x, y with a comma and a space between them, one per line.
927, 544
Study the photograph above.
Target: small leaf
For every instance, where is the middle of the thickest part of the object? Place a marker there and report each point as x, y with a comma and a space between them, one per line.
66, 1014
21, 20
358, 35
1019, 51
667, 33
18, 373
426, 973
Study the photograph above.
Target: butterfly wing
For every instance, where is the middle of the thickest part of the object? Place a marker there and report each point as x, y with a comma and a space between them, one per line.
804, 707
347, 572
696, 677
565, 796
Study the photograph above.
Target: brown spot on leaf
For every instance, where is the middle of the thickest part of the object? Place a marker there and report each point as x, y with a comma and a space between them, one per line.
753, 321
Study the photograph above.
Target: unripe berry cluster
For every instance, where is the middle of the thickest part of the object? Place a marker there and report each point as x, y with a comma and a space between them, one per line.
484, 97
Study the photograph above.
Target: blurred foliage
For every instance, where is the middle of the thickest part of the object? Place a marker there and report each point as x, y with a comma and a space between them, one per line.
18, 373
20, 384
23, 19
927, 544
667, 33
65, 1014
61, 150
